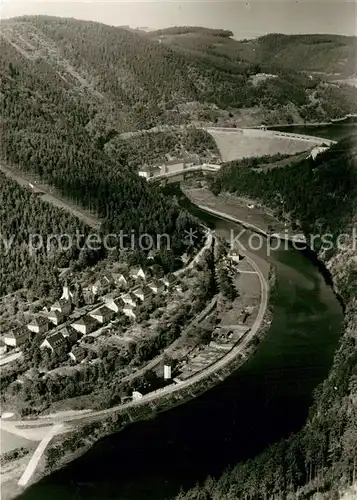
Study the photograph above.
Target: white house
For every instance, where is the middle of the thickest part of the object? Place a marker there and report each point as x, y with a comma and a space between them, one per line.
167, 372
103, 314
55, 317
138, 273
129, 299
233, 255
38, 325
137, 395
168, 280
17, 336
120, 280
128, 311
185, 258
86, 324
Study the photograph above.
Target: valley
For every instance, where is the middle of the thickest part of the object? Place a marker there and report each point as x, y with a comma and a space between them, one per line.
135, 329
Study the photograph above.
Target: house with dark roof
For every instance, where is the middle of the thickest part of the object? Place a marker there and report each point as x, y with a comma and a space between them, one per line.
70, 334
129, 298
77, 354
86, 324
156, 286
63, 306
39, 325
103, 314
143, 293
17, 336
55, 342
56, 317
116, 304
103, 284
119, 279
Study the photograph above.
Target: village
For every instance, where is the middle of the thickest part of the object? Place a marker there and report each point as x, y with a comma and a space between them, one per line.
163, 329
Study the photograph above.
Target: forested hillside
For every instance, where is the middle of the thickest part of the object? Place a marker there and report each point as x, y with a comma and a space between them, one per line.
317, 53
321, 460
321, 198
25, 223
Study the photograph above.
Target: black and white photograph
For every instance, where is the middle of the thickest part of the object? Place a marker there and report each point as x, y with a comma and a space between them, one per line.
178, 250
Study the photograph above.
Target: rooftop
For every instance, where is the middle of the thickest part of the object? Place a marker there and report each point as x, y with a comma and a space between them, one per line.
39, 321
17, 332
55, 340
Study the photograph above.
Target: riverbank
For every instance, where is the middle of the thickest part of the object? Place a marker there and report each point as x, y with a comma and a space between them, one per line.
87, 430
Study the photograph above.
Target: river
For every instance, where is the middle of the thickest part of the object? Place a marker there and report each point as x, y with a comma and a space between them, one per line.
335, 131
265, 400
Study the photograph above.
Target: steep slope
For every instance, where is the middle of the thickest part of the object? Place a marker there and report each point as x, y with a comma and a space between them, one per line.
320, 461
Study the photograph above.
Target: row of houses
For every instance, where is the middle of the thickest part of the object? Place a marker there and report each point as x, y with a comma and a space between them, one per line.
114, 302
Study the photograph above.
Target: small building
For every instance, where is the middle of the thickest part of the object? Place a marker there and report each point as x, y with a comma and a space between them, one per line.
63, 306
120, 280
235, 256
137, 395
142, 293
56, 317
175, 165
78, 354
39, 325
167, 372
128, 311
156, 286
102, 285
17, 336
129, 299
55, 342
151, 255
138, 273
168, 280
148, 171
85, 325
70, 334
103, 314
116, 304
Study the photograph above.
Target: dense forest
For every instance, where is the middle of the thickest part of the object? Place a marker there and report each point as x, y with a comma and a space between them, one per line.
25, 223
151, 148
321, 459
321, 198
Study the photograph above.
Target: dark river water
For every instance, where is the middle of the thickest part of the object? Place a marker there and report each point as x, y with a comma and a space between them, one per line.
335, 131
265, 400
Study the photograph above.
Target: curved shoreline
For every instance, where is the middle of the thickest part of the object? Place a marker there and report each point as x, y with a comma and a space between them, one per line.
157, 401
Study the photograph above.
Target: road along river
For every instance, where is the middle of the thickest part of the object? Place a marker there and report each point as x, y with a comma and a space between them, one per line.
265, 400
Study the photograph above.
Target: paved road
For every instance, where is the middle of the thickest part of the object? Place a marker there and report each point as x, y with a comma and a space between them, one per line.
10, 358
151, 397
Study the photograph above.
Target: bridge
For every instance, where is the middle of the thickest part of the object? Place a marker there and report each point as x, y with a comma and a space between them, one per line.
205, 168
